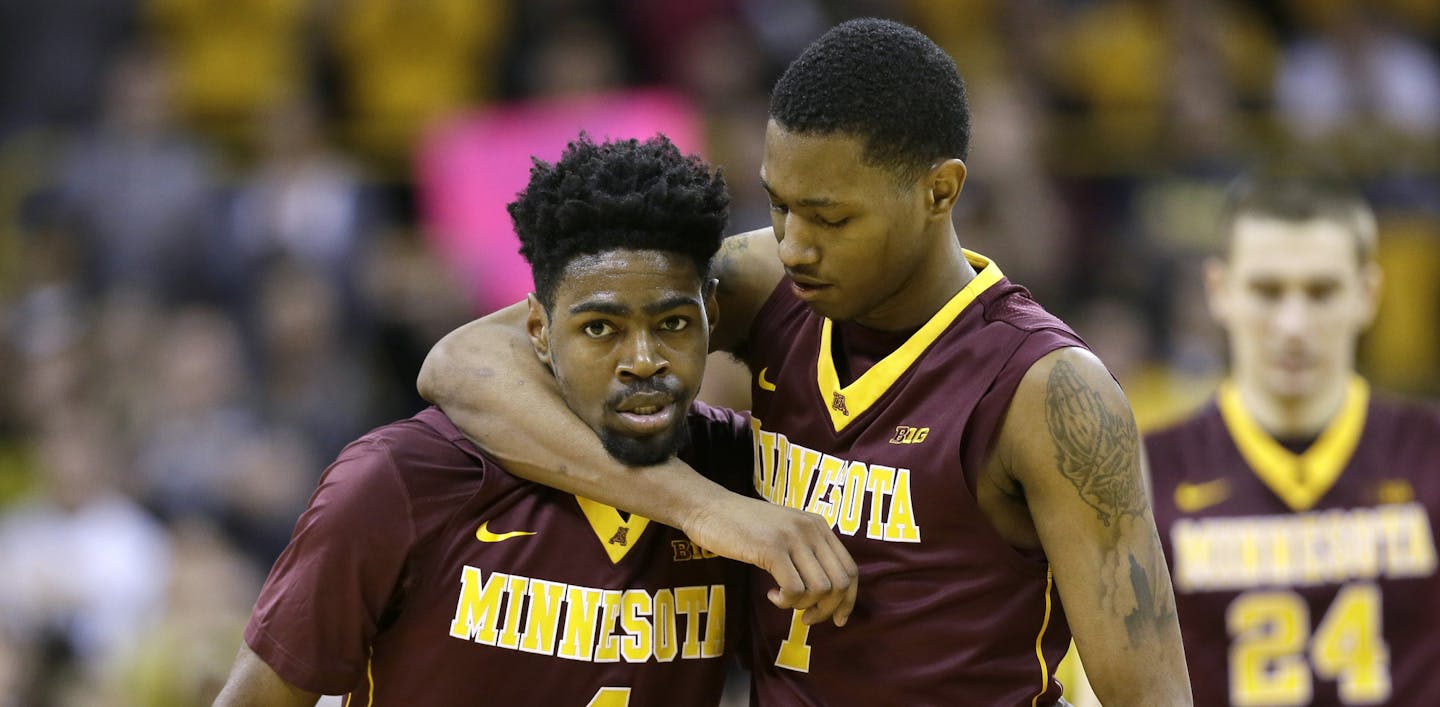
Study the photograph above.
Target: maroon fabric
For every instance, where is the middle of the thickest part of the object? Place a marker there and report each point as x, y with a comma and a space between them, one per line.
367, 596
1398, 457
950, 619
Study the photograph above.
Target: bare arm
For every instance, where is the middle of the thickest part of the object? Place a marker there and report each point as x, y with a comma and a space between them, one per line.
253, 682
1070, 442
486, 377
748, 266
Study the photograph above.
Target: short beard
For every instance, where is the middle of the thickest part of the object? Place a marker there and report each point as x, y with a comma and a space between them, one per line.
647, 451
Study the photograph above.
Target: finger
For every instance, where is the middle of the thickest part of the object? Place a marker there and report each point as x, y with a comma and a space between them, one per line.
817, 587
789, 585
844, 578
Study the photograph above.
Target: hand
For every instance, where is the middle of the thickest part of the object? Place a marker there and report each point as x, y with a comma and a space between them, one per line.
812, 569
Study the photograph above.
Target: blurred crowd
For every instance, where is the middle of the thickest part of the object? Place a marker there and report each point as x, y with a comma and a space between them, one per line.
213, 270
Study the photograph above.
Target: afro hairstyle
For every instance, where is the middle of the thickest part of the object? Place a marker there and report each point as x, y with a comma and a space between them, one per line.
884, 83
621, 194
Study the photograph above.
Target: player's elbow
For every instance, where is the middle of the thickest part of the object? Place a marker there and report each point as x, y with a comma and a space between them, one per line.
433, 379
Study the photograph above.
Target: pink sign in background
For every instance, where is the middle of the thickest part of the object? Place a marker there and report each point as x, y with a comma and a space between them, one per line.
469, 168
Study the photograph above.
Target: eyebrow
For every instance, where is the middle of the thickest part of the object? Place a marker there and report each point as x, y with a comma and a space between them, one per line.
811, 202
620, 310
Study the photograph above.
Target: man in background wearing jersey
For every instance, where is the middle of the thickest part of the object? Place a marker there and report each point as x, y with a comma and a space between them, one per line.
1298, 509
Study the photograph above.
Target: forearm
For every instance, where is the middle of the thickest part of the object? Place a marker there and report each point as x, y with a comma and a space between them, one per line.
1121, 610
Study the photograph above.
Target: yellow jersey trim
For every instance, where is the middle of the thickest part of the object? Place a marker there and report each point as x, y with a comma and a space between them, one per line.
369, 682
607, 524
1040, 637
849, 402
1298, 479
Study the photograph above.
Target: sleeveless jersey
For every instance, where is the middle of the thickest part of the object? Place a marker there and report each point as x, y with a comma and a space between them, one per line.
1305, 579
948, 612
424, 574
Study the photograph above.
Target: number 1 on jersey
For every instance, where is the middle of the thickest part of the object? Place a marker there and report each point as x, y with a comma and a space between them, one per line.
795, 649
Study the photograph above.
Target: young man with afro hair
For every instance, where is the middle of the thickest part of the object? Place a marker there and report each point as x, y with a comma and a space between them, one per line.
424, 573
980, 465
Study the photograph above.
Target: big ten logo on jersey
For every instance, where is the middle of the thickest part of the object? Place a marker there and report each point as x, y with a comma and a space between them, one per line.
849, 494
687, 550
905, 434
587, 623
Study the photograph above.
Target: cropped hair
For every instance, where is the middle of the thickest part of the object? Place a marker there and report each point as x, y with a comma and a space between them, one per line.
883, 83
1302, 198
622, 194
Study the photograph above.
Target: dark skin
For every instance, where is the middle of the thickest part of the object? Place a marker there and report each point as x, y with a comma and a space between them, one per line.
1064, 474
253, 683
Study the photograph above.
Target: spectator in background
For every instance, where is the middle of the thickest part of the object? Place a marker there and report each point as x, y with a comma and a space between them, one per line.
233, 60
303, 201
1356, 82
82, 566
137, 191
406, 63
204, 411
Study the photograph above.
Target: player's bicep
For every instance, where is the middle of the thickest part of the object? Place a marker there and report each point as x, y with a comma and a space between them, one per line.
1070, 441
748, 267
253, 682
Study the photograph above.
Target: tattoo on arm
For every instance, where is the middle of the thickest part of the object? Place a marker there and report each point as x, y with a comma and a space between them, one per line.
1096, 446
1097, 451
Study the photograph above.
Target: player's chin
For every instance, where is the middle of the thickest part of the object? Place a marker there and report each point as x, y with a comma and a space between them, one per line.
646, 450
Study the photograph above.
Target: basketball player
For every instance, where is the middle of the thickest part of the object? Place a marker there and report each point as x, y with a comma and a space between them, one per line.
423, 573
979, 463
1299, 509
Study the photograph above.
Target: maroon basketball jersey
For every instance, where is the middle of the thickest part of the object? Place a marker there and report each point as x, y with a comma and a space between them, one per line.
948, 612
424, 574
1309, 578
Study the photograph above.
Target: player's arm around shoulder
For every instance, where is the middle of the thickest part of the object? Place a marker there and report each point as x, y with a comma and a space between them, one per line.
253, 683
748, 267
1070, 442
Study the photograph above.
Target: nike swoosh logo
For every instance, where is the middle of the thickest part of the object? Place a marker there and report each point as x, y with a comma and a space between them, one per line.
1190, 498
484, 535
764, 384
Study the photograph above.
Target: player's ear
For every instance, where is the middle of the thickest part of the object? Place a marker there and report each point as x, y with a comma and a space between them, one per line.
537, 325
1216, 294
712, 305
1371, 280
943, 184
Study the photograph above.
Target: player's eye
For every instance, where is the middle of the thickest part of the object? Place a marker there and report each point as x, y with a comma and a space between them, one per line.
598, 329
673, 324
835, 223
1322, 292
779, 208
1268, 291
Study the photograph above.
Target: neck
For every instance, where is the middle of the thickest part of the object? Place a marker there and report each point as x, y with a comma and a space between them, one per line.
1294, 418
936, 278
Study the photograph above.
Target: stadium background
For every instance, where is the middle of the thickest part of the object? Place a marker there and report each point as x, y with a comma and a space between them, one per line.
226, 242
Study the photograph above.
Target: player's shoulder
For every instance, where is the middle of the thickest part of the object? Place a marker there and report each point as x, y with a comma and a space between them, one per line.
425, 439
1422, 415
1009, 304
1198, 423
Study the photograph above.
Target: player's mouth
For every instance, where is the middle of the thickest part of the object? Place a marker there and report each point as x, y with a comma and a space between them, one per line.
807, 289
646, 414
